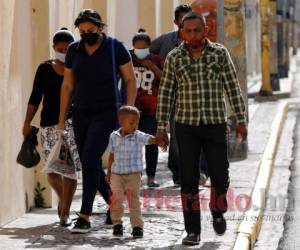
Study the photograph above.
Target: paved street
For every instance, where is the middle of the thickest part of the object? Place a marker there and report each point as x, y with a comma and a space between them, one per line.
161, 207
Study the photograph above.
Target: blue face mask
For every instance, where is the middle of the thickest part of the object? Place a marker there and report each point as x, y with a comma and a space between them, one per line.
60, 56
141, 53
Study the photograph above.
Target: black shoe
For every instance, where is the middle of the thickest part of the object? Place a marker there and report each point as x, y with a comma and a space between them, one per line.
191, 239
81, 226
118, 230
137, 232
177, 182
153, 184
219, 224
108, 220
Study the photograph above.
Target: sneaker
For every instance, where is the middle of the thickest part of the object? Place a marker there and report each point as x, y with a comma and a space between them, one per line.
153, 184
202, 179
219, 224
65, 222
177, 183
191, 239
108, 220
118, 230
137, 232
81, 226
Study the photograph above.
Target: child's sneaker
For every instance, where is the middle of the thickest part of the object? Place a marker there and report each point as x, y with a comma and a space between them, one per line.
137, 232
118, 230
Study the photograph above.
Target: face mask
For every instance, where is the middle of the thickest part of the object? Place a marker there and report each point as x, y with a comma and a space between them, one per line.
60, 56
90, 38
141, 53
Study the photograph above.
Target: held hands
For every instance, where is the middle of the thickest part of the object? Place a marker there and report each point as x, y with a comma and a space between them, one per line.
241, 132
162, 140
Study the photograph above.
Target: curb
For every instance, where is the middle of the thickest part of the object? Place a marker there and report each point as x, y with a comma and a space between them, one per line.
249, 228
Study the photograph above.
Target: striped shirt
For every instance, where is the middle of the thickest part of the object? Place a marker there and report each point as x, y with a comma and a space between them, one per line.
196, 87
128, 151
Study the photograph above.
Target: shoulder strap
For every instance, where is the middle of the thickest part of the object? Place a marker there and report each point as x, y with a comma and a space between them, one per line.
115, 79
114, 67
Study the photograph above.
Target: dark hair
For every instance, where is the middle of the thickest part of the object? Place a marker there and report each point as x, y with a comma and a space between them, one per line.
63, 35
89, 15
142, 35
194, 15
183, 8
129, 110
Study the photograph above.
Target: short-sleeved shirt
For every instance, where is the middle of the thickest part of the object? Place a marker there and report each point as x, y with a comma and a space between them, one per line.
128, 151
94, 79
147, 85
46, 86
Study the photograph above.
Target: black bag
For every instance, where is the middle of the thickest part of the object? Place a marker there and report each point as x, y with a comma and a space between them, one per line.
28, 155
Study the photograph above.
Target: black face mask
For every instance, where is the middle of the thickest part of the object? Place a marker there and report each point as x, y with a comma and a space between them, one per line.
90, 38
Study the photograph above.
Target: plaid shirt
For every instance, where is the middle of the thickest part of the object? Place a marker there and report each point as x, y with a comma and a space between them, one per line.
197, 87
128, 151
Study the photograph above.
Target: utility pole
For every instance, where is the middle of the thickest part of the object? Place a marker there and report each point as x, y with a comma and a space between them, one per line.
266, 88
273, 47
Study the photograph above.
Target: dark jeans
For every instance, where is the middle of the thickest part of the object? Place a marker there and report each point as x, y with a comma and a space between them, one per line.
173, 158
148, 125
212, 140
92, 132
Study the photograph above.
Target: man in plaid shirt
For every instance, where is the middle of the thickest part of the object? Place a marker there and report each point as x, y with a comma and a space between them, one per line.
195, 76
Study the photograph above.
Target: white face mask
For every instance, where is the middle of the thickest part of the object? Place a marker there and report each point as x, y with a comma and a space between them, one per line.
141, 53
60, 56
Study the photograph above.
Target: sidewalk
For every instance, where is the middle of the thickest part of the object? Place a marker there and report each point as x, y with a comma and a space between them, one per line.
163, 227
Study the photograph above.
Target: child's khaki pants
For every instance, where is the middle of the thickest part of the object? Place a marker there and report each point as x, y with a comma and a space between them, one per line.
129, 185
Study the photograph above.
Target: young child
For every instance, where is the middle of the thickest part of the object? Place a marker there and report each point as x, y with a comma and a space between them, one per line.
125, 165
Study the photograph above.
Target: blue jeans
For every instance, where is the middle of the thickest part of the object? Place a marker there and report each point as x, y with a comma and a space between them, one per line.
92, 131
148, 125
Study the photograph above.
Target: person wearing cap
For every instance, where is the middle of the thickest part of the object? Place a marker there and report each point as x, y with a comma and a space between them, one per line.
90, 78
47, 86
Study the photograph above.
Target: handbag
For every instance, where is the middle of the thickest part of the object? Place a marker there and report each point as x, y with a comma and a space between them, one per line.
28, 155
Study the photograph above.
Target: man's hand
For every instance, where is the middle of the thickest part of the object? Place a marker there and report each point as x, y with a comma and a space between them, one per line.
162, 139
241, 132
